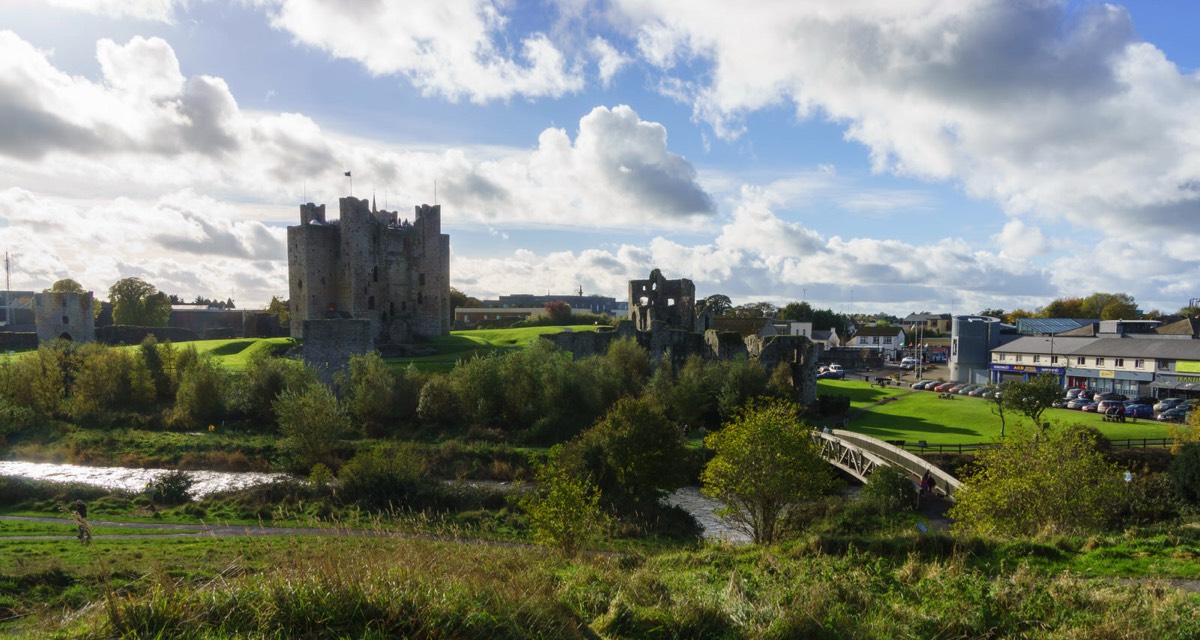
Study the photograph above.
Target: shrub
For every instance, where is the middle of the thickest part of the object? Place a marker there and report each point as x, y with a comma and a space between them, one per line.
311, 421
889, 490
389, 476
200, 396
1185, 474
565, 509
174, 487
830, 405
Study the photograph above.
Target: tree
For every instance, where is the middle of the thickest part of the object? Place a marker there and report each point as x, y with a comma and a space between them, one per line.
765, 464
1063, 308
996, 404
372, 392
558, 311
1034, 483
279, 309
1190, 312
565, 509
633, 453
311, 421
459, 299
136, 302
718, 303
1110, 306
754, 310
993, 313
1031, 398
1185, 473
798, 311
66, 285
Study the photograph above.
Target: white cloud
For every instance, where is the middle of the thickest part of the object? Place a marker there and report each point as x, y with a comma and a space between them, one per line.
149, 10
184, 243
451, 48
609, 60
1021, 241
1046, 108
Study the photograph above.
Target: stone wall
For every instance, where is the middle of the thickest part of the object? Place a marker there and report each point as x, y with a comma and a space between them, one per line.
328, 344
371, 265
126, 334
64, 315
656, 299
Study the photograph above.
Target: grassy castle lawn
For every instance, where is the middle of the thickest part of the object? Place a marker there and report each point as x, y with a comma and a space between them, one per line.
898, 413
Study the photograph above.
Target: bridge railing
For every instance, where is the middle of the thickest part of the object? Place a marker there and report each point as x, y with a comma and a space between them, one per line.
896, 456
933, 447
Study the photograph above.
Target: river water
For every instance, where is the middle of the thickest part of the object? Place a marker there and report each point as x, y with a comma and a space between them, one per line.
207, 482
129, 479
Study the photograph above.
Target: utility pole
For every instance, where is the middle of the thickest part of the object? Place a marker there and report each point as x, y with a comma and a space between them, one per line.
7, 289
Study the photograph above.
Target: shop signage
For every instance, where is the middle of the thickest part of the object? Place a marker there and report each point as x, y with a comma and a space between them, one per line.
1104, 373
1025, 368
1187, 366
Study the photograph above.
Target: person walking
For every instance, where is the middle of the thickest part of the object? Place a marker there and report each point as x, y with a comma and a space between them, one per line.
79, 510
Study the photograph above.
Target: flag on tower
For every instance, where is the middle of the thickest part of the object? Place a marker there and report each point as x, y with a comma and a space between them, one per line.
347, 174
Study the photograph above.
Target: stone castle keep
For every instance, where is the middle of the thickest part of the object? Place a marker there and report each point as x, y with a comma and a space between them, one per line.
371, 265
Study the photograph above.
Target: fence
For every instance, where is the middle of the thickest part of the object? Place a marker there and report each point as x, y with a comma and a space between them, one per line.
924, 447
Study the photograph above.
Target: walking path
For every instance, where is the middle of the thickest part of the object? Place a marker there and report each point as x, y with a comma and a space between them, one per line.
194, 530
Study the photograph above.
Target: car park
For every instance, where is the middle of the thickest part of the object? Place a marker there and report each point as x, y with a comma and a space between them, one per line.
966, 391
1139, 410
1077, 403
922, 384
1167, 403
1178, 414
979, 393
943, 387
1089, 406
1073, 393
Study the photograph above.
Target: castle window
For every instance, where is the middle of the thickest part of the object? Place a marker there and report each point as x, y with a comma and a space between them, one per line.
420, 297
66, 320
375, 274
421, 279
371, 303
392, 308
300, 285
64, 301
670, 302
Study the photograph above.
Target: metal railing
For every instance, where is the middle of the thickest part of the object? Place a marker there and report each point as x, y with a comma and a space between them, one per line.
934, 447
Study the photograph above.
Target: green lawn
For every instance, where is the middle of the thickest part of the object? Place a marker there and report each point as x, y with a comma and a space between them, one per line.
461, 344
236, 353
922, 415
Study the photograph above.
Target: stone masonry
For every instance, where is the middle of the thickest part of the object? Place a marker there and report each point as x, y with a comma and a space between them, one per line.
370, 265
328, 345
64, 315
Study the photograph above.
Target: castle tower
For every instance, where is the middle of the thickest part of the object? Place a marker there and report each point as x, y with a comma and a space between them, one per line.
64, 315
368, 265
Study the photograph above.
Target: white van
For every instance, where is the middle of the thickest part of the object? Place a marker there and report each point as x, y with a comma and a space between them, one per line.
908, 363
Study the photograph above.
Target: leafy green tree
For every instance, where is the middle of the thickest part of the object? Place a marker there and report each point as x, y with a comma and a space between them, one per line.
564, 510
372, 393
798, 311
765, 465
718, 303
263, 379
136, 302
1110, 306
997, 405
66, 285
110, 380
1031, 398
1035, 483
37, 380
279, 309
634, 453
744, 379
460, 299
311, 421
200, 396
993, 313
1064, 308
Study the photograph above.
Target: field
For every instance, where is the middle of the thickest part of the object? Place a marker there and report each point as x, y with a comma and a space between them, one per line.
913, 416
464, 344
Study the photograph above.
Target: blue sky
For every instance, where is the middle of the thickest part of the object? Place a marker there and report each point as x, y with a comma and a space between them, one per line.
873, 155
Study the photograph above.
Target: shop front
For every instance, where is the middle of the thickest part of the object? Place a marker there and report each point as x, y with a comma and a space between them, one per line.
1182, 386
1021, 372
1130, 383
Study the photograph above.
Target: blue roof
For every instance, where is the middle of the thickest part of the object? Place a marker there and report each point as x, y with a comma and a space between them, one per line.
1047, 326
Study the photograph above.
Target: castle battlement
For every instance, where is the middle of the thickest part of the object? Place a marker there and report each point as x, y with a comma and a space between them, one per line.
371, 264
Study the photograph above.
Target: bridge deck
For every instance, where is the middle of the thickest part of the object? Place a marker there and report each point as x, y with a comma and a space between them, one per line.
858, 455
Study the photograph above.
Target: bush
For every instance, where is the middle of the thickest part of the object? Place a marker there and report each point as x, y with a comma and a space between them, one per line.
832, 405
14, 418
1185, 474
889, 490
389, 476
311, 421
173, 487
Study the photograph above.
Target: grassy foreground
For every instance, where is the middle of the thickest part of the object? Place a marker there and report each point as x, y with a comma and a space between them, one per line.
901, 585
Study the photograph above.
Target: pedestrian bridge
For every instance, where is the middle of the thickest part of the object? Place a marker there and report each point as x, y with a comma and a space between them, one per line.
859, 455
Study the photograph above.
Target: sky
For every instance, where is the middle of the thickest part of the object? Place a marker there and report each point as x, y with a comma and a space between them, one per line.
890, 156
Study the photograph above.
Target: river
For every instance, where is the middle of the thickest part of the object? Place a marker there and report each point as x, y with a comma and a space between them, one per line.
208, 482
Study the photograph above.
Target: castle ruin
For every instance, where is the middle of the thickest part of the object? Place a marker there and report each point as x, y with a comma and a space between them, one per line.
371, 265
70, 316
667, 321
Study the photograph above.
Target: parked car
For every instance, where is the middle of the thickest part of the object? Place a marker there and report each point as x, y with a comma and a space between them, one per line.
1178, 414
943, 387
1167, 403
1089, 406
908, 363
1150, 400
1112, 395
978, 393
1139, 410
922, 384
1086, 394
955, 388
1104, 405
1077, 403
1073, 393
